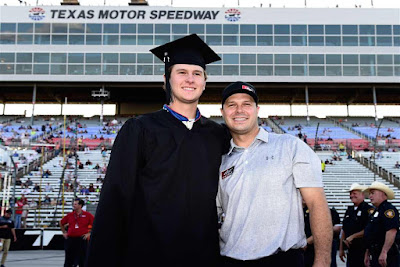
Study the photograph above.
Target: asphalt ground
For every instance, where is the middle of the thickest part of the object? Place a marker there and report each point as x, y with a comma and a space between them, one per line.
52, 258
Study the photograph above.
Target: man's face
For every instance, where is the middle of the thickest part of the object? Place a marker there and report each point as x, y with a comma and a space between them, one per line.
356, 196
187, 83
377, 197
76, 206
7, 215
240, 113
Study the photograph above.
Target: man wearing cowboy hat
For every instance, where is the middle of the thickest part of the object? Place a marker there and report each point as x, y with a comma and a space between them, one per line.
354, 222
381, 230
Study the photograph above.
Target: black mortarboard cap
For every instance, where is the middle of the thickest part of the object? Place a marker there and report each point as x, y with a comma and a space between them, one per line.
187, 50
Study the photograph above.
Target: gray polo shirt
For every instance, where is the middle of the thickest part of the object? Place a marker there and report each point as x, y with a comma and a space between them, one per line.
259, 196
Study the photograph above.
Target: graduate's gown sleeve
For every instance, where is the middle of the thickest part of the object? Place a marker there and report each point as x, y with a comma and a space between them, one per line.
108, 240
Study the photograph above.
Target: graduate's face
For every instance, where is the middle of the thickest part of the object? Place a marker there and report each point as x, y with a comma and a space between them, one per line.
240, 113
187, 83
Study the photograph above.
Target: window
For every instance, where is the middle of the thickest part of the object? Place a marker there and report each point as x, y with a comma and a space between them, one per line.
264, 70
299, 59
130, 70
111, 28
385, 59
128, 39
109, 39
59, 39
367, 41
161, 39
316, 71
24, 57
213, 28
333, 41
231, 70
247, 29
367, 29
25, 27
282, 58
350, 41
196, 28
213, 40
281, 41
144, 58
282, 71
231, 40
93, 58
264, 41
349, 29
75, 58
230, 29
76, 28
110, 58
23, 69
94, 69
76, 39
367, 59
367, 70
59, 28
75, 69
333, 71
93, 39
333, 59
315, 29
145, 28
230, 59
264, 29
58, 57
24, 39
41, 68
128, 28
93, 28
385, 71
7, 57
384, 41
299, 40
128, 58
316, 41
179, 28
281, 29
248, 70
299, 29
247, 59
316, 59
162, 28
41, 57
384, 29
110, 69
42, 39
299, 70
214, 70
247, 40
42, 27
332, 29
350, 71
264, 59
8, 27
144, 70
350, 59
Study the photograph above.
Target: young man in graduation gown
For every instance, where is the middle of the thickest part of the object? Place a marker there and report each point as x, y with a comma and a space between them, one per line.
157, 204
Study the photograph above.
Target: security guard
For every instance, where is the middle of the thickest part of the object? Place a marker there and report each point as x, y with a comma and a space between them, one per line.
354, 222
381, 230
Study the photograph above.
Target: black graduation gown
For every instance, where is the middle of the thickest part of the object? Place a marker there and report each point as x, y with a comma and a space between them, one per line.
157, 204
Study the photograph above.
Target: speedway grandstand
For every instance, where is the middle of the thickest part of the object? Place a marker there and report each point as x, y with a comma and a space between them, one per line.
298, 59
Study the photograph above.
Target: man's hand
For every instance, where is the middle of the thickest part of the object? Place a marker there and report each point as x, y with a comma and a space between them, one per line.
15, 239
65, 234
86, 236
382, 259
366, 258
342, 255
349, 240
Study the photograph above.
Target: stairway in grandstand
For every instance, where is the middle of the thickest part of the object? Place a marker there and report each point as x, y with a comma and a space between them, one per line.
86, 176
338, 178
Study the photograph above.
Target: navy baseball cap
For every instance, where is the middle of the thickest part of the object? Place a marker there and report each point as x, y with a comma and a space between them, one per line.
239, 87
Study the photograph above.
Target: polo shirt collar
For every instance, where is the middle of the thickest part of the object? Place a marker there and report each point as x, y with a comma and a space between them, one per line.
262, 136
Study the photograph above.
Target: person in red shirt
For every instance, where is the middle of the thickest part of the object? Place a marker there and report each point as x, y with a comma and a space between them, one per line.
76, 238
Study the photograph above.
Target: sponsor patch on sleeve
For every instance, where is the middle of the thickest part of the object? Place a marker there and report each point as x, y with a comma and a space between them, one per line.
389, 213
227, 172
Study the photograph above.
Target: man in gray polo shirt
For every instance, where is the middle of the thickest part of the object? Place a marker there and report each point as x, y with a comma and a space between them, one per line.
263, 179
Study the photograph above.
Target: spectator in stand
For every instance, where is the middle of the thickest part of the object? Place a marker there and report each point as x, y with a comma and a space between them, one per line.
7, 233
91, 188
36, 188
47, 200
18, 212
84, 190
48, 188
80, 166
97, 166
29, 182
26, 190
397, 165
100, 179
24, 199
18, 181
98, 189
88, 162
341, 147
104, 169
322, 166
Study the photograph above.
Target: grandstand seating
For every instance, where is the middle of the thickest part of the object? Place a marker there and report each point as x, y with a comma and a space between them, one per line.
339, 177
387, 161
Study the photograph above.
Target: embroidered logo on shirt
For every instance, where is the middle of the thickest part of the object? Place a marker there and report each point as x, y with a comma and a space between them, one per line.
227, 173
389, 213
